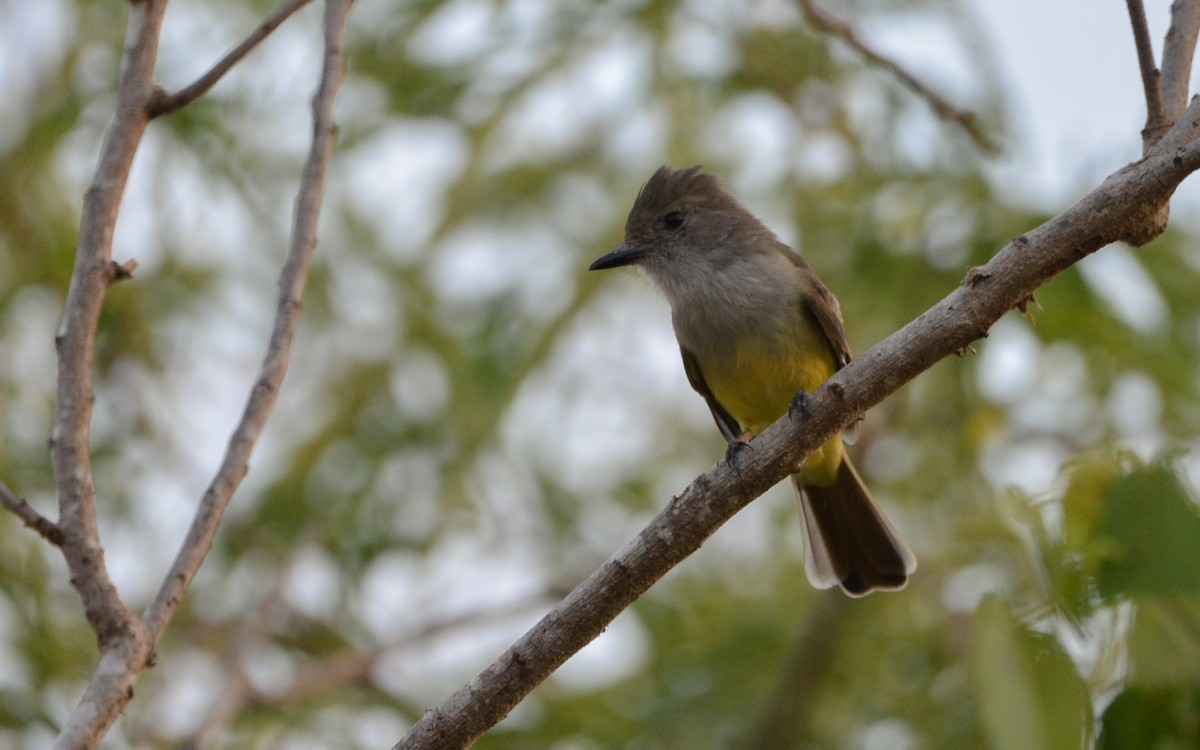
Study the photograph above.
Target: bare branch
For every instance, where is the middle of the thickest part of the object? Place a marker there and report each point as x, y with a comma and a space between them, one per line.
92, 275
1121, 206
1178, 51
164, 103
1156, 115
127, 643
124, 648
34, 520
292, 281
965, 119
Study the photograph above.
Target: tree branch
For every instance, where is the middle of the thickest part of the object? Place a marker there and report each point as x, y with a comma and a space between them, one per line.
1122, 205
164, 102
964, 119
127, 643
34, 520
1178, 50
119, 633
90, 279
292, 281
1156, 114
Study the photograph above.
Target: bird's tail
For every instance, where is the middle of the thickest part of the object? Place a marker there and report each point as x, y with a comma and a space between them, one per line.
849, 541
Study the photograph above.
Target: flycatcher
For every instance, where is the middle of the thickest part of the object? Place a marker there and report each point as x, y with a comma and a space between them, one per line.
756, 326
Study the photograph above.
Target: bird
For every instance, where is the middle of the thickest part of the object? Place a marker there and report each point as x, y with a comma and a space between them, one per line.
757, 330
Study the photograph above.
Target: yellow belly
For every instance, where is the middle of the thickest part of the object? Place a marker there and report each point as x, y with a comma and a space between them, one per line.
757, 384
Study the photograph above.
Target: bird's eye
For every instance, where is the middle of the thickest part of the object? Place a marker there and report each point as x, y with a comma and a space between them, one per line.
673, 220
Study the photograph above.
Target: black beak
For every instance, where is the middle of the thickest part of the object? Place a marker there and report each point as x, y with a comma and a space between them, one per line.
622, 256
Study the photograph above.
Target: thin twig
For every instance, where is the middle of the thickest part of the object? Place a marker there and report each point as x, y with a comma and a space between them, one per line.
334, 671
1121, 205
1178, 50
292, 281
345, 668
965, 119
1156, 117
164, 102
34, 520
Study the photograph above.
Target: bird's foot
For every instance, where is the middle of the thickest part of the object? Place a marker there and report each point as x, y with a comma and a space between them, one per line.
733, 451
798, 408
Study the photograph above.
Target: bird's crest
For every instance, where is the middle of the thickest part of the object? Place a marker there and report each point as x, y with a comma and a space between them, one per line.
667, 187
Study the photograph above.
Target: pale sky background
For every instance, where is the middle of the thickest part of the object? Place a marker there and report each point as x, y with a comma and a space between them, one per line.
1070, 72
1068, 66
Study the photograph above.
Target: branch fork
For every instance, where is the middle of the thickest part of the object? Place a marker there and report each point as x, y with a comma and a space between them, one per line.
127, 642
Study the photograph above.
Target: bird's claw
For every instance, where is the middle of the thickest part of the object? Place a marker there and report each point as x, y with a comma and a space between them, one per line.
732, 452
798, 408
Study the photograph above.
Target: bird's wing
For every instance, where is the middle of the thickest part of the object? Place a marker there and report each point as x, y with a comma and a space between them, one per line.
824, 307
728, 426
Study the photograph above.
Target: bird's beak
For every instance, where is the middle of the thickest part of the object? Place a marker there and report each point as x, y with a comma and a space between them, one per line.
622, 256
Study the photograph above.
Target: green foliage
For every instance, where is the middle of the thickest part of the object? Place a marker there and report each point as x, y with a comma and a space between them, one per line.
472, 423
1163, 648
1030, 695
1152, 532
1159, 719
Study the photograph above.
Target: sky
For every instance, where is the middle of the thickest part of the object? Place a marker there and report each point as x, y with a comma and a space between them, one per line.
1070, 70
1068, 67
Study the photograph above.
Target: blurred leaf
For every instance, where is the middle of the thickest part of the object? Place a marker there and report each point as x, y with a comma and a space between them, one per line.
1157, 719
1154, 531
1164, 645
773, 57
1070, 560
1084, 502
1030, 696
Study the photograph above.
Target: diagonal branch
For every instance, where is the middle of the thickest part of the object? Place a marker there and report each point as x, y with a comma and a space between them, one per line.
1178, 50
34, 520
1156, 114
1122, 205
964, 119
292, 281
163, 103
